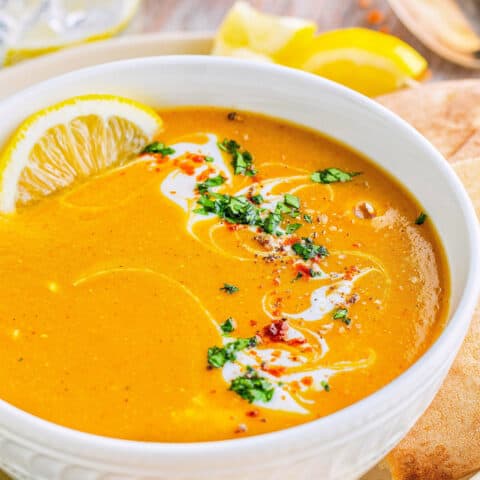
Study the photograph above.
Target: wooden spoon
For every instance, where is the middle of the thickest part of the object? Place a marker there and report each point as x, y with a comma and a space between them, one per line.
443, 27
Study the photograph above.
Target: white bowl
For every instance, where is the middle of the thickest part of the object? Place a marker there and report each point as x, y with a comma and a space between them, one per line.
343, 445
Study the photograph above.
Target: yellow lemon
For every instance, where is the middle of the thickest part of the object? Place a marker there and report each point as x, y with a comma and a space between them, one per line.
70, 141
370, 62
247, 33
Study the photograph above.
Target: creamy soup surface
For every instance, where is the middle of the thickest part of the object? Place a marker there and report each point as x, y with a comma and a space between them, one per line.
216, 289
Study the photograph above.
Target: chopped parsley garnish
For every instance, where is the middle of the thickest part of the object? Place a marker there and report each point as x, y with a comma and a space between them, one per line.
257, 199
298, 276
293, 227
271, 222
209, 159
421, 218
325, 385
242, 161
233, 209
307, 218
218, 356
332, 175
240, 210
342, 314
227, 326
308, 250
210, 182
229, 288
158, 147
314, 274
252, 387
291, 201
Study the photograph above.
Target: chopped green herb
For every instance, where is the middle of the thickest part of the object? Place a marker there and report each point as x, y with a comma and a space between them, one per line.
253, 387
271, 222
307, 249
209, 159
228, 326
291, 200
307, 218
332, 175
257, 199
236, 210
218, 356
342, 314
298, 276
314, 274
158, 147
228, 288
421, 219
210, 182
239, 210
325, 385
242, 161
293, 227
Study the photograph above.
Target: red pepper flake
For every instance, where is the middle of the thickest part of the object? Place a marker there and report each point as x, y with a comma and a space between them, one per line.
308, 381
232, 227
253, 413
253, 323
274, 370
256, 178
384, 29
350, 272
242, 428
277, 331
291, 240
197, 158
187, 168
296, 341
303, 269
375, 17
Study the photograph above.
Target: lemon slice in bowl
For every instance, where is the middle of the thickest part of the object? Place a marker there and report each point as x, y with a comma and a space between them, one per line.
34, 28
70, 141
370, 62
248, 33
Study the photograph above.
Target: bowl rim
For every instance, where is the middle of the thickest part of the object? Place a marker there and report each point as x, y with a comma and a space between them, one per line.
456, 328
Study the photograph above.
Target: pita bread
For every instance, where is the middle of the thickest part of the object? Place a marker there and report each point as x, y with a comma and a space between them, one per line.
445, 442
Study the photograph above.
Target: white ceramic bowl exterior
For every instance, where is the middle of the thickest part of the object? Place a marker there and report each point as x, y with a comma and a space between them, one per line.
343, 445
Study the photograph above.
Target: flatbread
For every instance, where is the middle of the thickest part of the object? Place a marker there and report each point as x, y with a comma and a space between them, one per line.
445, 442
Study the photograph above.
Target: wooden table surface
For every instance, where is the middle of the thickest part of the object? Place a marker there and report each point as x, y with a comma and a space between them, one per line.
195, 15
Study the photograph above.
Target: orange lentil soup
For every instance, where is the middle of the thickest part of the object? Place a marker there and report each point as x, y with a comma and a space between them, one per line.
244, 276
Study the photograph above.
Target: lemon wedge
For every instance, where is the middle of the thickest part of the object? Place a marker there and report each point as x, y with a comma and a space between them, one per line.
370, 62
70, 141
54, 27
247, 33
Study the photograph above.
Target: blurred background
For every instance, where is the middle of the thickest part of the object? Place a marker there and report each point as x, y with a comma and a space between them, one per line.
29, 23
